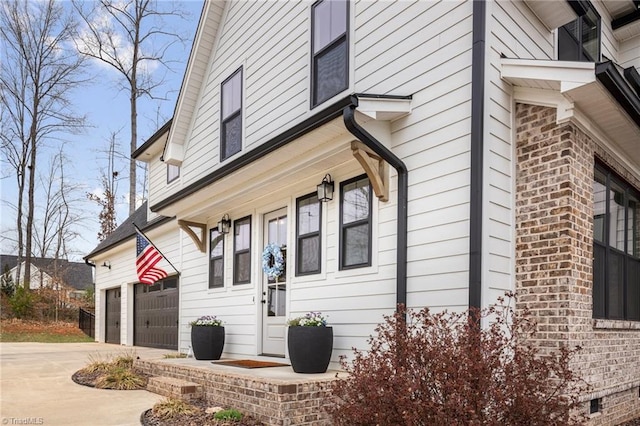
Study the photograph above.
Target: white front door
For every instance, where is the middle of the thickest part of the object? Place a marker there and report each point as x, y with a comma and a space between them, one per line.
274, 291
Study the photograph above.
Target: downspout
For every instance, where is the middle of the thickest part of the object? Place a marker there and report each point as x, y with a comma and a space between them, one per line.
376, 146
477, 148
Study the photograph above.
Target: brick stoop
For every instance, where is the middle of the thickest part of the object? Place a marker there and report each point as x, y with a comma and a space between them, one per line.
174, 388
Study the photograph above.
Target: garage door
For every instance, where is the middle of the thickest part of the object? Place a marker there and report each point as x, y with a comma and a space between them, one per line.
156, 314
112, 317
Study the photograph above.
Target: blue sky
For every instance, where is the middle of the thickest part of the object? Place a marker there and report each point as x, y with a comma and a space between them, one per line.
107, 111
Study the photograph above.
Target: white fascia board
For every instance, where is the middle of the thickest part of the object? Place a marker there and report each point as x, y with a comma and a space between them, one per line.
173, 154
385, 109
568, 74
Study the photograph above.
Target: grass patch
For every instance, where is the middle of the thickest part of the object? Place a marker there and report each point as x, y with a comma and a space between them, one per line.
120, 378
170, 408
43, 338
112, 372
15, 330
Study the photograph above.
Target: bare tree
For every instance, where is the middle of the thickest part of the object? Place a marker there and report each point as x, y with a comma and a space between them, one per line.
57, 217
109, 177
37, 75
130, 36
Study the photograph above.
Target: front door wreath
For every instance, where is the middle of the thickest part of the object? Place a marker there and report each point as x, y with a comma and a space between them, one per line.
272, 261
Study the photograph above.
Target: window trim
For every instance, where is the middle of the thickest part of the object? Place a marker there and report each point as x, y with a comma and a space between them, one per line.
343, 227
212, 260
325, 49
233, 115
236, 252
169, 180
299, 237
612, 177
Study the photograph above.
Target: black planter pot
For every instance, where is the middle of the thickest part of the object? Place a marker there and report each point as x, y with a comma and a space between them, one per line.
207, 342
310, 348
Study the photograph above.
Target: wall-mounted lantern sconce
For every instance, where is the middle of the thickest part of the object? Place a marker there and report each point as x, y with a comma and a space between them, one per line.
106, 264
325, 189
225, 224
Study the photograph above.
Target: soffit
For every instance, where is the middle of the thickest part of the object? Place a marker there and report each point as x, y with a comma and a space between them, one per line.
307, 159
572, 87
553, 14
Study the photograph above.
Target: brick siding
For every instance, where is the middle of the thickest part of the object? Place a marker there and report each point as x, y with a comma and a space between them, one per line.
554, 258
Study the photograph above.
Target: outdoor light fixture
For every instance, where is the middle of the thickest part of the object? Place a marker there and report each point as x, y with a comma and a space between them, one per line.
225, 224
325, 189
106, 264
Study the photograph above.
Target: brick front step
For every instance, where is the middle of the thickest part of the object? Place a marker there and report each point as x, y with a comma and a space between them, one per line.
174, 388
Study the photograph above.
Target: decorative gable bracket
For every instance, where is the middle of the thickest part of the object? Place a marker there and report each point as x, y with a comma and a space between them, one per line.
199, 241
376, 168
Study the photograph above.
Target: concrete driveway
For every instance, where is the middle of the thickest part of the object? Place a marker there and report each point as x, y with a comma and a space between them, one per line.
36, 386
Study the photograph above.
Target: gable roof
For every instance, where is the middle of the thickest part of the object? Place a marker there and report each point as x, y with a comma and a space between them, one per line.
126, 230
75, 274
195, 74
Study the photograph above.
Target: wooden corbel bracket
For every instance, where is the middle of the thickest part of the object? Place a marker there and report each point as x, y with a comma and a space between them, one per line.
376, 168
199, 241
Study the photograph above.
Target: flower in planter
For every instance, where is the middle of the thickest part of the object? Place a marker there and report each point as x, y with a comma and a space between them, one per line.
208, 321
310, 319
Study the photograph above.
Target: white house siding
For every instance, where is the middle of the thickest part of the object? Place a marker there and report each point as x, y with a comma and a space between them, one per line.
424, 49
270, 40
609, 46
157, 181
630, 53
514, 31
122, 274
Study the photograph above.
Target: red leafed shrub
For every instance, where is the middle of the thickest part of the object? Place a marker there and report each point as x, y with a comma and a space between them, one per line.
443, 369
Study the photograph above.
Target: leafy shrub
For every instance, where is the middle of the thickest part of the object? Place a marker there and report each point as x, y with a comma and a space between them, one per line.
443, 369
230, 414
7, 286
172, 407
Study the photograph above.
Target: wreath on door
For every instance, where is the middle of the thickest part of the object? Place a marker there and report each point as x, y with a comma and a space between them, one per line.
272, 261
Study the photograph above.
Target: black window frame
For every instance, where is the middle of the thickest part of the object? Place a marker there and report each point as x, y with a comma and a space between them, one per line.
169, 179
606, 256
236, 252
344, 227
233, 115
326, 49
577, 46
213, 260
301, 237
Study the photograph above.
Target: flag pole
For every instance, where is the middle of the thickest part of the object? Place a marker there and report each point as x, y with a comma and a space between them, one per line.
161, 254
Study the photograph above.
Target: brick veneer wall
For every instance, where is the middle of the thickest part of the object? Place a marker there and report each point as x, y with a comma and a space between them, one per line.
554, 258
272, 401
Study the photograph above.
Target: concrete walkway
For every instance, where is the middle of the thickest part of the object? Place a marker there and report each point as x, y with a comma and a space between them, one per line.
36, 386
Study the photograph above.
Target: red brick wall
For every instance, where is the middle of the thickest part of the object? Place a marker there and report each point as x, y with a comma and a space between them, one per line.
554, 258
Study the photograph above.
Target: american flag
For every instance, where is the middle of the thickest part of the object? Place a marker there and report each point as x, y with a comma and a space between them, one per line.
147, 256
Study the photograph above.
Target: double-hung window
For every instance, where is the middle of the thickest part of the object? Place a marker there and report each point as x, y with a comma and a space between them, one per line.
330, 49
616, 247
173, 172
216, 258
355, 223
580, 40
309, 212
242, 251
231, 116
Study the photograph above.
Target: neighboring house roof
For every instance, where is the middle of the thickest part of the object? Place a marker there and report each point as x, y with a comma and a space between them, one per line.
75, 274
126, 230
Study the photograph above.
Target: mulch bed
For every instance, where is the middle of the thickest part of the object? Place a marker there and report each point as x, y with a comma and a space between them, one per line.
201, 419
85, 378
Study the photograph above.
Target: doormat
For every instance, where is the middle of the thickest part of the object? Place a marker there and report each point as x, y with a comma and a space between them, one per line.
249, 363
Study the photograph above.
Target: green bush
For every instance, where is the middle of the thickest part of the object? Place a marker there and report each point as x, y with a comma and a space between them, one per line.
21, 302
229, 414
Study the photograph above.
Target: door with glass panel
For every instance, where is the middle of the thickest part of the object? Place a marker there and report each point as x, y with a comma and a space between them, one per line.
274, 290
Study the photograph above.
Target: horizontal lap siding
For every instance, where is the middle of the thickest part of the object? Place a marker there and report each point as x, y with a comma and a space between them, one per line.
270, 40
630, 53
515, 32
423, 49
